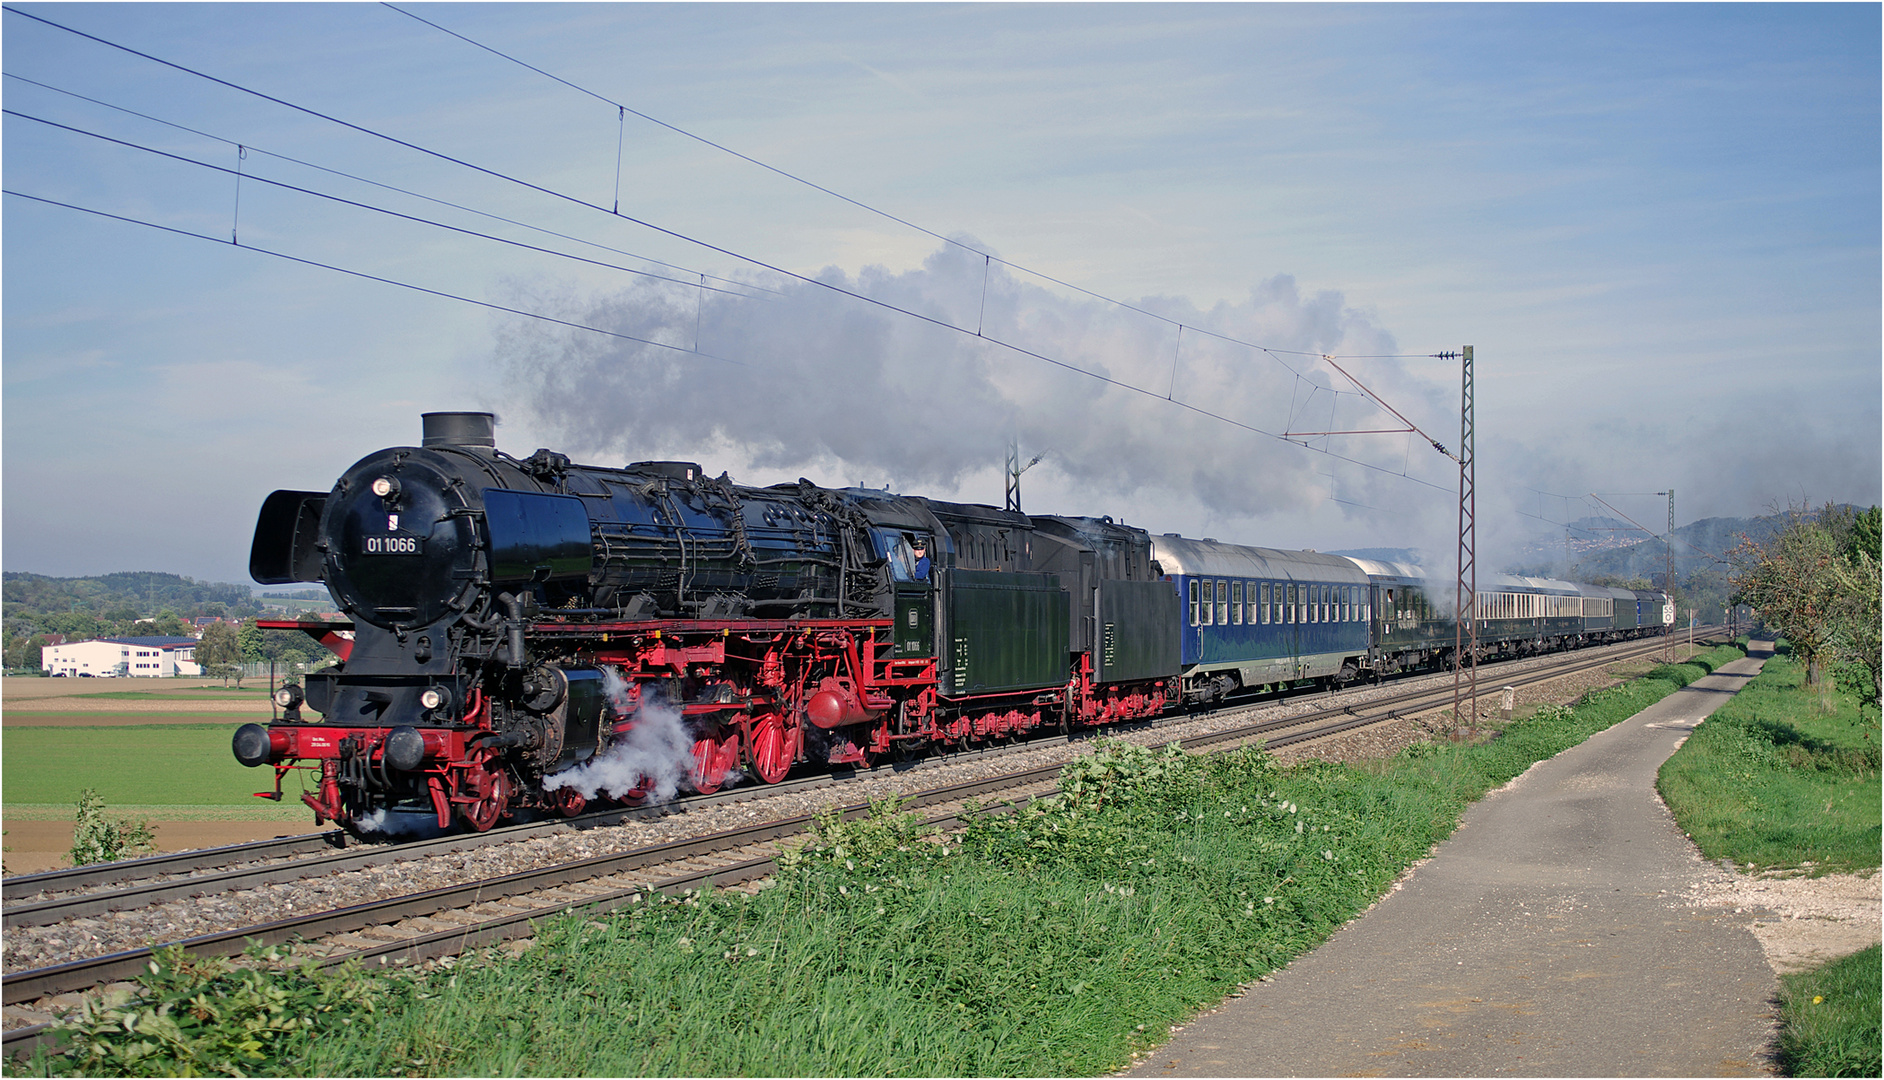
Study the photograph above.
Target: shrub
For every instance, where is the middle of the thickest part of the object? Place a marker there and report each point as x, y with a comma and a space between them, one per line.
193, 1016
97, 838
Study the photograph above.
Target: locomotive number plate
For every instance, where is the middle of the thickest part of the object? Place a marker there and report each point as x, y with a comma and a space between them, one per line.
391, 545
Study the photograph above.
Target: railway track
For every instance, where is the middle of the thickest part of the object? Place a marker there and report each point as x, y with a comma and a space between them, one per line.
48, 898
435, 922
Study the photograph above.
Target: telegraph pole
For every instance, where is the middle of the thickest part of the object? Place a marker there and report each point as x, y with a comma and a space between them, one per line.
1465, 625
1668, 578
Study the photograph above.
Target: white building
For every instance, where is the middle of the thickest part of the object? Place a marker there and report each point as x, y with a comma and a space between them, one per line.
136, 657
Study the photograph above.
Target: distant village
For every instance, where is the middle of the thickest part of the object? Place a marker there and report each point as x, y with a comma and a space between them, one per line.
156, 656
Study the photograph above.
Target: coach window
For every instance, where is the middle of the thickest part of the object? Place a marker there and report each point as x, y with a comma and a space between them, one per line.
1236, 603
1193, 598
1262, 606
1223, 603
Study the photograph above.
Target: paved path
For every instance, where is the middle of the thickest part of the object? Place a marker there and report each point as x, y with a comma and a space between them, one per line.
1549, 936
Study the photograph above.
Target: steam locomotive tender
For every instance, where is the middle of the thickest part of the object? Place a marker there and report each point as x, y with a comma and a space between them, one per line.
517, 623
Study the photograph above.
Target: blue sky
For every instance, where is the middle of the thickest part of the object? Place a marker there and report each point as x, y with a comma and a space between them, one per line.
1657, 224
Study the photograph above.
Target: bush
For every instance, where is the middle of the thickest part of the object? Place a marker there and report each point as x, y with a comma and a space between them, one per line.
97, 838
192, 1016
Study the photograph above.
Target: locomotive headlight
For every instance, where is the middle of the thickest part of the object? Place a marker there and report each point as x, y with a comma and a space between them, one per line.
288, 696
435, 698
385, 487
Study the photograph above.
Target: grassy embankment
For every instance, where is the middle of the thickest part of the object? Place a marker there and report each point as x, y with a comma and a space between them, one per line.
1056, 941
1783, 778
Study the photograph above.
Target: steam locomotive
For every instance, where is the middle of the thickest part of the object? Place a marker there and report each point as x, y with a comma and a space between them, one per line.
527, 635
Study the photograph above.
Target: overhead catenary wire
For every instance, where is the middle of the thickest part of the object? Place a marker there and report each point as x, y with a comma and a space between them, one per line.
718, 249
1187, 406
370, 277
988, 257
381, 185
360, 205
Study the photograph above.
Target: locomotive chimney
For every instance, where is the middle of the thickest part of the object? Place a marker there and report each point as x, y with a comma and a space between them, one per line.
459, 429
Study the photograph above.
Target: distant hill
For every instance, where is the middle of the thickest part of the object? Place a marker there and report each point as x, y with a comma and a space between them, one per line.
144, 591
1699, 546
136, 602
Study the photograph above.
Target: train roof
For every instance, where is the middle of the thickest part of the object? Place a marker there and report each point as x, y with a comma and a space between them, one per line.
1375, 569
1213, 558
1410, 574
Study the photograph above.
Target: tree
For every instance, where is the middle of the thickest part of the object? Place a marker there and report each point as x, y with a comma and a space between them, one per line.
1859, 616
1816, 583
220, 653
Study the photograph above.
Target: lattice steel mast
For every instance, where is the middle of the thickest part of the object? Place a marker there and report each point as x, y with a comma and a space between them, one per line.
1465, 627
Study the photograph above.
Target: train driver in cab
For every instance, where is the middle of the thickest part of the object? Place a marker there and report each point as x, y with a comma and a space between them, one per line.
922, 559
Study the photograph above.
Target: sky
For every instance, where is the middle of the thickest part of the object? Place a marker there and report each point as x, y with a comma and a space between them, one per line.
1161, 246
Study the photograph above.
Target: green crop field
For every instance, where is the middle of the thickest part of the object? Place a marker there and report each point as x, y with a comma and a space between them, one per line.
141, 764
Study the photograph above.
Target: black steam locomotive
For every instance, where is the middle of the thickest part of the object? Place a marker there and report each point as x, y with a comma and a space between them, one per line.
528, 634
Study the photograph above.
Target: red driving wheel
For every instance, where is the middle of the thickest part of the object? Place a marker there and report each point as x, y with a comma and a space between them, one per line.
772, 750
569, 801
489, 793
712, 760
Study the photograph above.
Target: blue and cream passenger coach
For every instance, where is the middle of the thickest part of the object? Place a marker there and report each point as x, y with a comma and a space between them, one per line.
1258, 617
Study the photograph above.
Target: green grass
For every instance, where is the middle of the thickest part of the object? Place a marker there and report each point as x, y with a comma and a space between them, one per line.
1785, 778
138, 764
1781, 777
1829, 1018
1055, 941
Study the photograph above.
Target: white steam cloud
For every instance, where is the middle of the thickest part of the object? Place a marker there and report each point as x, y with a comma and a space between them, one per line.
413, 823
655, 757
804, 378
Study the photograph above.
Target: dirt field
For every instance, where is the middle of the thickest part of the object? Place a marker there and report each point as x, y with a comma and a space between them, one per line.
30, 696
35, 846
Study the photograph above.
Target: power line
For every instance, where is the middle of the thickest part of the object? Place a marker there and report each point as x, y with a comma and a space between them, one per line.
987, 257
362, 206
440, 155
369, 277
374, 183
1199, 410
724, 251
